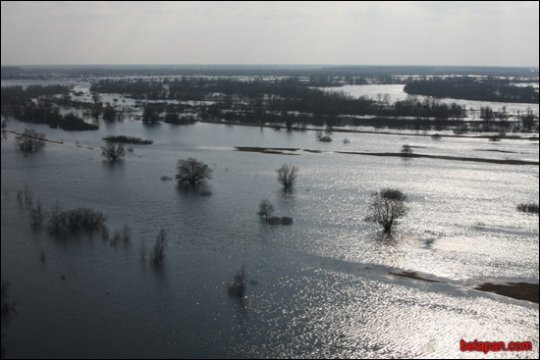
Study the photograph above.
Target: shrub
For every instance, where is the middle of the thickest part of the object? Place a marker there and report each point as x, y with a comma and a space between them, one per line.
325, 138
393, 194
127, 140
73, 222
528, 208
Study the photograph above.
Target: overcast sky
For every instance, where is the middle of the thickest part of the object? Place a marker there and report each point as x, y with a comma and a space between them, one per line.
363, 33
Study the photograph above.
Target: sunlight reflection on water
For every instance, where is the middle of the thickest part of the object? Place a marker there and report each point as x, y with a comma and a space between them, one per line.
321, 284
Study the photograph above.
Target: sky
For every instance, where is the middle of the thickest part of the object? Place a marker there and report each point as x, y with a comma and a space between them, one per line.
344, 33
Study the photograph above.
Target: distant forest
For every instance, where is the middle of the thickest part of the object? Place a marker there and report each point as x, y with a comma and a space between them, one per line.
470, 88
289, 102
35, 104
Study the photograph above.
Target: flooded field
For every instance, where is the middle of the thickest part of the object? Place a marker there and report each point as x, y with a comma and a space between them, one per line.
318, 288
396, 93
237, 180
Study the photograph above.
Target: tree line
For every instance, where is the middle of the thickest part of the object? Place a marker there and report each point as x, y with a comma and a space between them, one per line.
470, 88
36, 104
282, 95
288, 102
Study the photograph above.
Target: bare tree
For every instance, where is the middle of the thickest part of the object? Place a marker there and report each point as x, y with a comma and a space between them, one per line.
113, 151
287, 176
386, 207
266, 209
30, 141
192, 172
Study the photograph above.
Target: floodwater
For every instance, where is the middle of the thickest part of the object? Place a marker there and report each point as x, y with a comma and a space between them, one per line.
396, 93
318, 288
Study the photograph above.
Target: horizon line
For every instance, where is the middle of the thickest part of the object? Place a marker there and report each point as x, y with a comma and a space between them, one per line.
278, 65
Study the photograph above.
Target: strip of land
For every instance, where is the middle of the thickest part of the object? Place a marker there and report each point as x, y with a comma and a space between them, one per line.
412, 275
520, 291
445, 157
495, 150
267, 150
290, 151
287, 151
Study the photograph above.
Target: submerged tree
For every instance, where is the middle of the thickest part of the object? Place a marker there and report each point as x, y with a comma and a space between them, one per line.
287, 176
151, 114
113, 151
386, 207
158, 253
192, 172
238, 286
30, 141
266, 209
527, 120
123, 235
